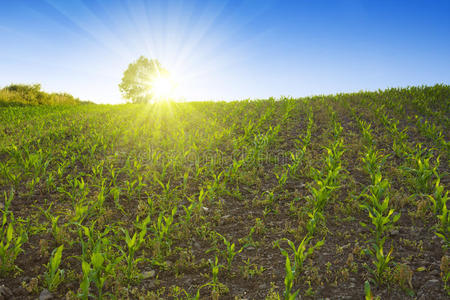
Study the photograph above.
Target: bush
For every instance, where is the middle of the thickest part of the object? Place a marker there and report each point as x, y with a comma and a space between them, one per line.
23, 94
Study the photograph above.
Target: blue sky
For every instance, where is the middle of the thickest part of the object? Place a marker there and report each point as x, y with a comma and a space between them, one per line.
226, 49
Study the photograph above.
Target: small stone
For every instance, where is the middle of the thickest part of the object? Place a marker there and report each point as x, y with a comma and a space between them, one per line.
5, 292
394, 232
205, 209
433, 281
148, 274
432, 285
151, 285
45, 295
435, 273
346, 246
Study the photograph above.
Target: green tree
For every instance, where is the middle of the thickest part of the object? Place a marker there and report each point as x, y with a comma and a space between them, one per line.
138, 78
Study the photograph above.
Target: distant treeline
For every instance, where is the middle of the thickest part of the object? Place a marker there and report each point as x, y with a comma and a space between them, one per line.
24, 94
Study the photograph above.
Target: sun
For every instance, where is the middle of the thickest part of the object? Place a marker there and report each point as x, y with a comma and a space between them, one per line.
167, 85
163, 88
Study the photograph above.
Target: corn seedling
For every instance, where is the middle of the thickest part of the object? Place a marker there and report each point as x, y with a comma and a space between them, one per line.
54, 275
289, 280
12, 238
368, 292
56, 230
382, 218
163, 228
134, 243
439, 198
422, 172
301, 253
230, 251
443, 228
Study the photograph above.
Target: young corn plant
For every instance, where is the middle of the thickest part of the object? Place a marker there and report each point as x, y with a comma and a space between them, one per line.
443, 228
422, 172
9, 174
315, 218
368, 292
189, 211
81, 212
10, 247
439, 197
366, 131
230, 251
162, 228
101, 196
216, 286
56, 230
54, 275
97, 261
215, 271
134, 243
86, 281
296, 159
319, 196
115, 193
301, 253
232, 173
373, 161
12, 238
6, 213
302, 145
92, 238
78, 190
282, 178
335, 152
383, 220
97, 271
380, 261
289, 280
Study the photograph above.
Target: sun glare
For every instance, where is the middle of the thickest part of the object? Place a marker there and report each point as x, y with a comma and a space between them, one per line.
163, 88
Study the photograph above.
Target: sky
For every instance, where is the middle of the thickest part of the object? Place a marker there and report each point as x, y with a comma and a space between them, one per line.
226, 50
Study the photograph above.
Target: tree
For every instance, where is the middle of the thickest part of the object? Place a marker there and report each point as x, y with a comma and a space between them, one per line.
139, 78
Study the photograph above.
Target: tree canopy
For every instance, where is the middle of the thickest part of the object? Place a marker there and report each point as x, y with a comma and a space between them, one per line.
138, 79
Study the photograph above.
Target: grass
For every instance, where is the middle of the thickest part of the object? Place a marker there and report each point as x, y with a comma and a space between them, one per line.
196, 200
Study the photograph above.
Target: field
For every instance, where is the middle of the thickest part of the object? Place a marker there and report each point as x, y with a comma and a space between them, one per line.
337, 197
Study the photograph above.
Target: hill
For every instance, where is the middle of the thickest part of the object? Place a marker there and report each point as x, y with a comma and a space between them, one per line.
322, 196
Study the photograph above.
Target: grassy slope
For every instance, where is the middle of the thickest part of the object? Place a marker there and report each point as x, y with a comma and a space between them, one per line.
226, 159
